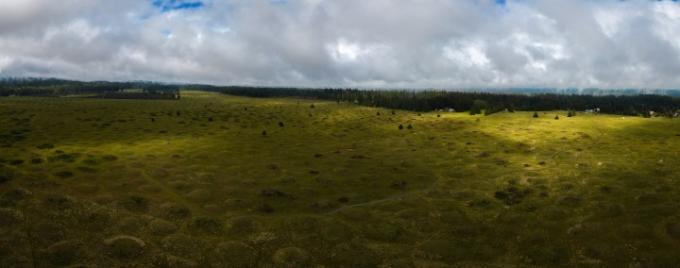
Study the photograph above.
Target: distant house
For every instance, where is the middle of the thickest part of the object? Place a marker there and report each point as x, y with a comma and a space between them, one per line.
593, 111
451, 110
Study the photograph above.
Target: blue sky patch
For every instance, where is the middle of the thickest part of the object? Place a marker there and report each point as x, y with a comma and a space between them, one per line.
170, 5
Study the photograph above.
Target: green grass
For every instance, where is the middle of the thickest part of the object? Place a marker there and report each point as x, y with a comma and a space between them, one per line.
195, 183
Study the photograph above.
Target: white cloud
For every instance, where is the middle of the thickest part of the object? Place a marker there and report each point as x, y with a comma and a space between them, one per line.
386, 43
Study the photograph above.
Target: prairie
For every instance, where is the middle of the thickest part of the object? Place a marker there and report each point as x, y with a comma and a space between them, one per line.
222, 181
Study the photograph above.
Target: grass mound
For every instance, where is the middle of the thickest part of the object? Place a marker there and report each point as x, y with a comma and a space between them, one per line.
124, 246
233, 254
65, 252
291, 257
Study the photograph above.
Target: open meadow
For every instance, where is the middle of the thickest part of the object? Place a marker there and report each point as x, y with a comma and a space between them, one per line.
213, 180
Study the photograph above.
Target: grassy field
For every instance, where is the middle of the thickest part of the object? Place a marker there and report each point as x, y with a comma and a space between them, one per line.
220, 181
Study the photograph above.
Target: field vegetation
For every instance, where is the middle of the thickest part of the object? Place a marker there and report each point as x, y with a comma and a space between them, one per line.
213, 180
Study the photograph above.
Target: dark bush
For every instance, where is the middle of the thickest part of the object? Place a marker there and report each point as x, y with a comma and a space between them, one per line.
110, 157
45, 146
265, 208
135, 203
206, 225
512, 195
64, 174
399, 185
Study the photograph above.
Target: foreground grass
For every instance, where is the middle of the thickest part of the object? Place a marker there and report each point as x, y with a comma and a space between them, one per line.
220, 181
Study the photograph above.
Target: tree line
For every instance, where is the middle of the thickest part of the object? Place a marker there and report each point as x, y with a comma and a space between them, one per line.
475, 102
98, 89
414, 100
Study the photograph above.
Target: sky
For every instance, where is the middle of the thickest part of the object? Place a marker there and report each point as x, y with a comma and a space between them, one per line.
446, 44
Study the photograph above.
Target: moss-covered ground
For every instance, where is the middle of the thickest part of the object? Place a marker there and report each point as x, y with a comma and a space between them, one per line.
221, 181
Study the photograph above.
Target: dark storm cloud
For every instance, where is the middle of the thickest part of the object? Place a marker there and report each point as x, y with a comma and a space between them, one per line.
378, 43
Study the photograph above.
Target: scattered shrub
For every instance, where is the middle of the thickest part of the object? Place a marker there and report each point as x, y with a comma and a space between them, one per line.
673, 230
64, 174
87, 169
45, 146
110, 158
64, 157
206, 225
265, 208
5, 175
272, 193
399, 185
512, 195
135, 203
59, 202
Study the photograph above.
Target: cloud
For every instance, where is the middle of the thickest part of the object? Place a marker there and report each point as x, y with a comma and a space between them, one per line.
354, 43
